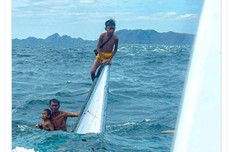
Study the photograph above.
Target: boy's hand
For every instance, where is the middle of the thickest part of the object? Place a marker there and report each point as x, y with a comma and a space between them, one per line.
37, 125
110, 61
107, 61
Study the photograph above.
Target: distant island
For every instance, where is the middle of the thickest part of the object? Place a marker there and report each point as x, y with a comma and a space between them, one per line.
125, 37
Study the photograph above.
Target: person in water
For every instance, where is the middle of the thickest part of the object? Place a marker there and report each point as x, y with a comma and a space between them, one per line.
59, 118
46, 122
106, 53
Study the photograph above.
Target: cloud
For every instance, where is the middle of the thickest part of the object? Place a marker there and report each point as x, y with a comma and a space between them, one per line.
168, 16
158, 16
99, 16
170, 13
86, 1
76, 14
20, 3
90, 11
41, 3
187, 16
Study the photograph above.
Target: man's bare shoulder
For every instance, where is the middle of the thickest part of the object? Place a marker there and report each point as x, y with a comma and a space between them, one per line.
64, 112
67, 113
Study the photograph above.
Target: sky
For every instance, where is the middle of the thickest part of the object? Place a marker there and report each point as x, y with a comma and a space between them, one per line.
86, 18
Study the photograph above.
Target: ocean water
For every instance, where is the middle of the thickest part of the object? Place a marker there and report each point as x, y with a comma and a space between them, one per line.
145, 90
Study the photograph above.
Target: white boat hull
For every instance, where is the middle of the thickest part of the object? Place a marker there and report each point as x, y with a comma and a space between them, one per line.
92, 117
199, 124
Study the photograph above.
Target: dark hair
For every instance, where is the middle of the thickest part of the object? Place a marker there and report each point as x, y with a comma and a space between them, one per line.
48, 111
55, 101
110, 22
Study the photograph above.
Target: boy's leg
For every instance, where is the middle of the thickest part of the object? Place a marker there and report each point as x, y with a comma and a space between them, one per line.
96, 64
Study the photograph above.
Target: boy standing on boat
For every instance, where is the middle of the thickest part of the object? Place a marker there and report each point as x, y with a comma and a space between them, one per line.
106, 53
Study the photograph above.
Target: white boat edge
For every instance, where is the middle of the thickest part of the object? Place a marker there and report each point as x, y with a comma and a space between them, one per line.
92, 117
199, 121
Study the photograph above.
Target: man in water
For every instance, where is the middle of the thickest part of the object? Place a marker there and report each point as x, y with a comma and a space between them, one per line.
59, 118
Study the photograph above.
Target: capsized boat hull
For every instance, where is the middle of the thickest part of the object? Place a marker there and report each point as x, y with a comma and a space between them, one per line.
92, 117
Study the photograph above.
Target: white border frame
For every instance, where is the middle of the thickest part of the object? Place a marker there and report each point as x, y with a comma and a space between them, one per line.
225, 134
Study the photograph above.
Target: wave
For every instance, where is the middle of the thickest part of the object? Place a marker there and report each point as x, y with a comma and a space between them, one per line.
135, 128
22, 149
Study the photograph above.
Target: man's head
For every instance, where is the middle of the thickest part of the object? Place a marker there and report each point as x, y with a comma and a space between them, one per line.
110, 26
54, 105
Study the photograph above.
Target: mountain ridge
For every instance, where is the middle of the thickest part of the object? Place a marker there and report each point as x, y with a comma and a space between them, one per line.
125, 36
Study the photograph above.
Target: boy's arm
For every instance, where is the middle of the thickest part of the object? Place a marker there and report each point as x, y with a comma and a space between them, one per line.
71, 114
51, 127
39, 126
115, 49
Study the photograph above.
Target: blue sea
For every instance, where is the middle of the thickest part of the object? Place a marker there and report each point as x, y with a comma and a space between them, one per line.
145, 90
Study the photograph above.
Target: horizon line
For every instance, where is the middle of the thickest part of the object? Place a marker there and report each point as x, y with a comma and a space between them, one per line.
96, 39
